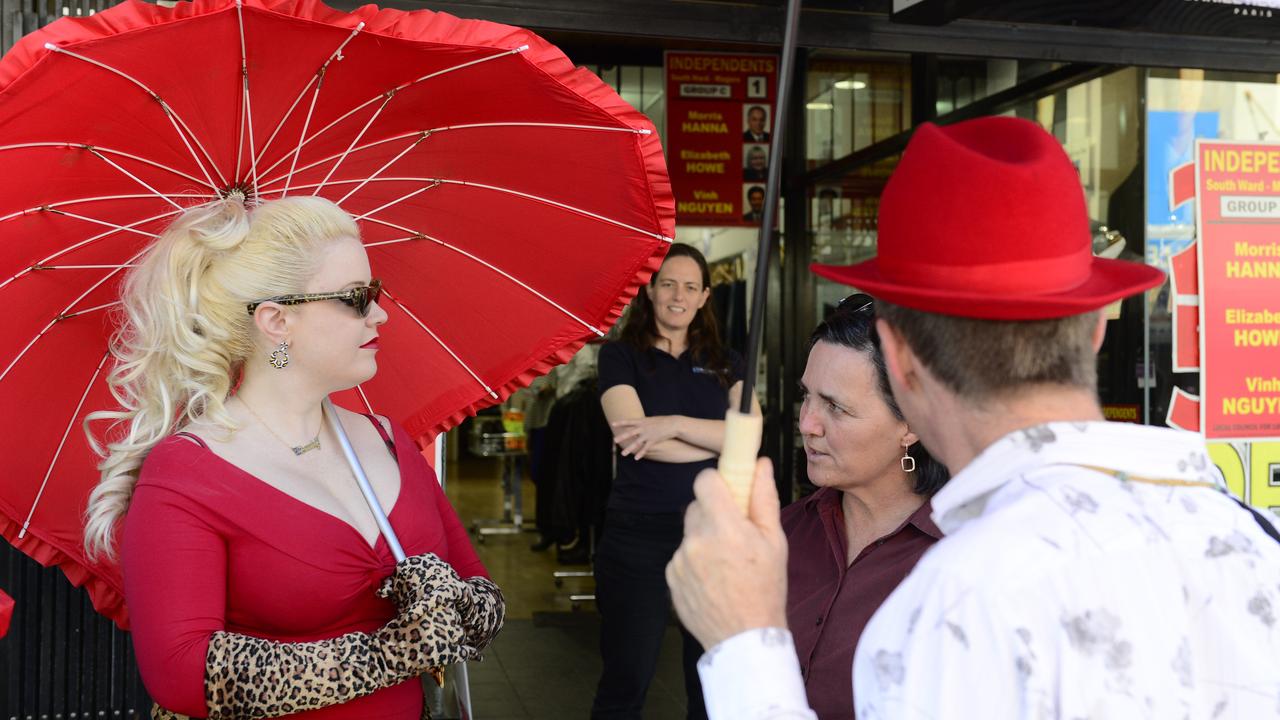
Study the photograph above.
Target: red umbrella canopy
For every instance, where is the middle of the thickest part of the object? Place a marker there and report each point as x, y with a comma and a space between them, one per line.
511, 204
6, 613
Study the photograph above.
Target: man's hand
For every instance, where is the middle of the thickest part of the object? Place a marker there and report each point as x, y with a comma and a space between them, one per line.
638, 435
730, 573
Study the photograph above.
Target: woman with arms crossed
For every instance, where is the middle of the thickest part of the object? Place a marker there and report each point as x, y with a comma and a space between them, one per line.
257, 582
665, 387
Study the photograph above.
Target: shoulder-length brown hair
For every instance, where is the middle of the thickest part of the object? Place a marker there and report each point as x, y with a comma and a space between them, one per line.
641, 328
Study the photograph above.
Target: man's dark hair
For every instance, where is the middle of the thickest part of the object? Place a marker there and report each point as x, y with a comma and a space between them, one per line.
983, 360
853, 325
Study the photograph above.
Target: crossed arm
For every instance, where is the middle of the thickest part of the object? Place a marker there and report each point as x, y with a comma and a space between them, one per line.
665, 438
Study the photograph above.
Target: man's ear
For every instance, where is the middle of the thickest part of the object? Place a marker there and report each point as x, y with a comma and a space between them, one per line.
898, 358
1099, 332
272, 321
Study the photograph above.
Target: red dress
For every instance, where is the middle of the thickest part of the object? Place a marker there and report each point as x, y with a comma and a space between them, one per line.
206, 546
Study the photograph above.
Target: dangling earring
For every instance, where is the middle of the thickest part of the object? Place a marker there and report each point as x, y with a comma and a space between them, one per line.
908, 462
280, 356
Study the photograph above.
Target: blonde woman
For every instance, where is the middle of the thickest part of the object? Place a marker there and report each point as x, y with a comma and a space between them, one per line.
257, 582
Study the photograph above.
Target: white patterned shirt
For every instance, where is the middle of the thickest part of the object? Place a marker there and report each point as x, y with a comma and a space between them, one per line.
1060, 591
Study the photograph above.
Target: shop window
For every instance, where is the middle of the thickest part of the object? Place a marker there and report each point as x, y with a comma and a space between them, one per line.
851, 103
641, 86
963, 80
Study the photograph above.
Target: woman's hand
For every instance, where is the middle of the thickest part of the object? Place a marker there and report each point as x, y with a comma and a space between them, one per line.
637, 436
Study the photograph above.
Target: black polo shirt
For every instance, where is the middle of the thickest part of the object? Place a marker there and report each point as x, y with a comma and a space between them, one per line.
667, 386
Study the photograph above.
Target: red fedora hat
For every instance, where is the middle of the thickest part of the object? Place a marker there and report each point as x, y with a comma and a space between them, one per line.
986, 219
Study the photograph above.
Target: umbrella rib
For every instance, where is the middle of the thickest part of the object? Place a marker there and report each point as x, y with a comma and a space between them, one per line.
41, 264
396, 241
562, 206
442, 344
396, 90
176, 120
50, 206
61, 444
397, 201
354, 140
246, 113
280, 126
432, 131
82, 146
93, 151
364, 399
315, 95
96, 221
95, 308
489, 265
66, 313
527, 196
83, 267
389, 163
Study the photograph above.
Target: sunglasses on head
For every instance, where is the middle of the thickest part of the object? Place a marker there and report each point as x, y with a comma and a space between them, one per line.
856, 303
359, 298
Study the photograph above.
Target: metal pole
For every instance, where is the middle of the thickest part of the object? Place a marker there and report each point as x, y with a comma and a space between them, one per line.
771, 192
362, 480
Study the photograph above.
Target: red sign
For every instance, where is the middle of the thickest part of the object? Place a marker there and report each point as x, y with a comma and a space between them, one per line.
720, 111
1185, 280
1238, 226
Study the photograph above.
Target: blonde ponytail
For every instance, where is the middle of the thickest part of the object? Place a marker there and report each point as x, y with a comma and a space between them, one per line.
183, 334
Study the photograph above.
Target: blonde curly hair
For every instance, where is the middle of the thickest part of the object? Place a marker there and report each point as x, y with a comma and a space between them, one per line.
183, 333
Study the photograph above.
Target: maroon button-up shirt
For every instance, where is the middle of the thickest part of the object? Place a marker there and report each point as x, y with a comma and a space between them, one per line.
830, 600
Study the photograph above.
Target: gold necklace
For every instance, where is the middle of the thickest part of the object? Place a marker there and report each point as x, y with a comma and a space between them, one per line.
298, 450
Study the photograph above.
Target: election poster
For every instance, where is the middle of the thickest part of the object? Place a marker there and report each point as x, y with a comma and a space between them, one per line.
720, 118
1238, 230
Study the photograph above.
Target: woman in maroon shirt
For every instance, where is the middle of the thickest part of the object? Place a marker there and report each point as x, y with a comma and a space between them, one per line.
257, 581
858, 536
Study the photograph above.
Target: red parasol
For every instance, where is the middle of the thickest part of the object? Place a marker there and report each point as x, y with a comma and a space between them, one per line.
6, 613
511, 204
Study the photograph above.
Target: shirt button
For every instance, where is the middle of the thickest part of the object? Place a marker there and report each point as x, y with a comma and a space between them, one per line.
819, 620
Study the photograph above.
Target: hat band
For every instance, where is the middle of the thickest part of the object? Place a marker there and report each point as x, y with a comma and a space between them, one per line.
1042, 276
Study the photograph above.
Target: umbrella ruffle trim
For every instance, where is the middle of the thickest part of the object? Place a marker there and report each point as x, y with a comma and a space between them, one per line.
107, 597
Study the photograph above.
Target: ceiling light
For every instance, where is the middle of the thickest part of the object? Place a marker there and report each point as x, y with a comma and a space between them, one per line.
850, 85
820, 106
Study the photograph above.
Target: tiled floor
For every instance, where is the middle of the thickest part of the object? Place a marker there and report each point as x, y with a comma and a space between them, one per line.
545, 663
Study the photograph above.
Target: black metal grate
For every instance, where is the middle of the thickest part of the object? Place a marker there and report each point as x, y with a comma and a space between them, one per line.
61, 659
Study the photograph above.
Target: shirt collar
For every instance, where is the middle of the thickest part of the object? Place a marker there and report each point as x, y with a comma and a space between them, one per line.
1133, 449
827, 500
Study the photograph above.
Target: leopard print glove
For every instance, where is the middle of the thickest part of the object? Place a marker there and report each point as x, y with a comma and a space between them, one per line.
249, 677
483, 609
422, 578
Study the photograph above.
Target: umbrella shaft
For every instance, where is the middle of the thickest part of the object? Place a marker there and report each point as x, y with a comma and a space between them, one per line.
362, 480
773, 188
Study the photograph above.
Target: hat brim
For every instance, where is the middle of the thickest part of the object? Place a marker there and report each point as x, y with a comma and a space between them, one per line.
1109, 280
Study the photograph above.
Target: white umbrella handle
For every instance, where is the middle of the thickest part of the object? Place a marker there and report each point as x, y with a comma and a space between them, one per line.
362, 480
